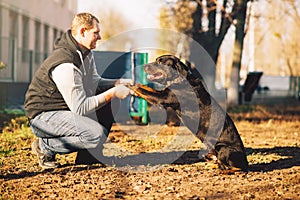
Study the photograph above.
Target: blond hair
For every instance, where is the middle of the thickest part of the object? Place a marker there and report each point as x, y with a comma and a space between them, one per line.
83, 19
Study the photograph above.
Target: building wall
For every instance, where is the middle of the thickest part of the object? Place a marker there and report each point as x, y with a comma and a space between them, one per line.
28, 30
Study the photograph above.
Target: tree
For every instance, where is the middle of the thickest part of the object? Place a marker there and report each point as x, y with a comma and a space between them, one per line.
165, 20
281, 38
206, 29
176, 17
211, 20
240, 17
113, 24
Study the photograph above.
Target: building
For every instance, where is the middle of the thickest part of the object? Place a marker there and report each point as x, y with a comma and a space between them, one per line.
28, 30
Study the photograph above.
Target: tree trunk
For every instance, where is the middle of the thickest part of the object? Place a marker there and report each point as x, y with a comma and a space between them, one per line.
209, 40
233, 90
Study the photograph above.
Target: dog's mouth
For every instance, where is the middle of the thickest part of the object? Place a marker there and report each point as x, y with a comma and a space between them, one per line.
155, 76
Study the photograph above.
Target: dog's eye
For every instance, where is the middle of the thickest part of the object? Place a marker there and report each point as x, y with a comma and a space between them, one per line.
160, 63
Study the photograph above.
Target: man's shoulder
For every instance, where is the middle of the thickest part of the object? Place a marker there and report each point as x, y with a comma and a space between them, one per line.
59, 56
63, 53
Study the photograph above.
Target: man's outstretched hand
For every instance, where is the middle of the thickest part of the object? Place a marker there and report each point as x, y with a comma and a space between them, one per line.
121, 91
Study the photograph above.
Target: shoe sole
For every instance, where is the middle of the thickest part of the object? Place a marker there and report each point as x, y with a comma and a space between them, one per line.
35, 151
34, 147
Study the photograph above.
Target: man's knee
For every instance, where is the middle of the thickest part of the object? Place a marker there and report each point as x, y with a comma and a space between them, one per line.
95, 137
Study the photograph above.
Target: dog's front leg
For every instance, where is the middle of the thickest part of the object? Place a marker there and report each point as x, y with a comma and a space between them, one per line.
150, 95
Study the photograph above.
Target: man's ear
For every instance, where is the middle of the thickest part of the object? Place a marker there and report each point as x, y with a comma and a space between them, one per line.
82, 30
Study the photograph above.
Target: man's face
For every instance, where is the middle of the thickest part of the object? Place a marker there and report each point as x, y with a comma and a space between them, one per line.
90, 37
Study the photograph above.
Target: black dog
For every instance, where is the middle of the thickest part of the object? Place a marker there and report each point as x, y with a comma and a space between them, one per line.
185, 93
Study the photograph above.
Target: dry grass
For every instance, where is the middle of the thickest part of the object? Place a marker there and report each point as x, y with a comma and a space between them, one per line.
270, 134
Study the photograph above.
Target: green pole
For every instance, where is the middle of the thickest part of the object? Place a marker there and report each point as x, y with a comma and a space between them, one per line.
143, 77
142, 111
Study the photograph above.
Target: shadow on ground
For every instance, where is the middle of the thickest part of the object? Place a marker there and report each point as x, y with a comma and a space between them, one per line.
292, 155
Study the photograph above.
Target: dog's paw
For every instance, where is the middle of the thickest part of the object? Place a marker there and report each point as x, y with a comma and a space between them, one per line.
142, 91
135, 89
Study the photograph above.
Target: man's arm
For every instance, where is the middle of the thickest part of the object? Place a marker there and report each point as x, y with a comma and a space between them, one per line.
68, 80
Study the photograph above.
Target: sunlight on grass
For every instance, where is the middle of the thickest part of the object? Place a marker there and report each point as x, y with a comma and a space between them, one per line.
15, 136
264, 158
160, 139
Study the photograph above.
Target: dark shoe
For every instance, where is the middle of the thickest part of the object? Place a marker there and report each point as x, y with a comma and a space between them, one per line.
45, 161
84, 157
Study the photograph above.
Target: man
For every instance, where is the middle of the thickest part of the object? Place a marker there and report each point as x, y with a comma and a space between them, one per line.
67, 102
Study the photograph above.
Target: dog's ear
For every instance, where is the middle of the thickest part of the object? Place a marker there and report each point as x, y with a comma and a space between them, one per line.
182, 68
167, 60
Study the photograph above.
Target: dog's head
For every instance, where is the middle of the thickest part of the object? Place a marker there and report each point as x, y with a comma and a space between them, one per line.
166, 70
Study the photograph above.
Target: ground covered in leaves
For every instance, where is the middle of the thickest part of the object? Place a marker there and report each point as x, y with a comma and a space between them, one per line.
160, 162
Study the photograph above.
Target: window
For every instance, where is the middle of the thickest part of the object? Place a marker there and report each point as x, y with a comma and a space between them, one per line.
0, 32
55, 32
37, 44
46, 40
13, 30
25, 39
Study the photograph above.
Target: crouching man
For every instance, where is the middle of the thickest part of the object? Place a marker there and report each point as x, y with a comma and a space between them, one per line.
67, 103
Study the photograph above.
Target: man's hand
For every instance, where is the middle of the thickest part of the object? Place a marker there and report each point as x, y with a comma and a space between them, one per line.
121, 91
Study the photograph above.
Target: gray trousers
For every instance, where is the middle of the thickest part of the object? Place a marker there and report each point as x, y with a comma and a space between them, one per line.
62, 132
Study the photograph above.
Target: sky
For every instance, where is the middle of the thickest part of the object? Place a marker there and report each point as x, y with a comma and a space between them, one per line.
141, 13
